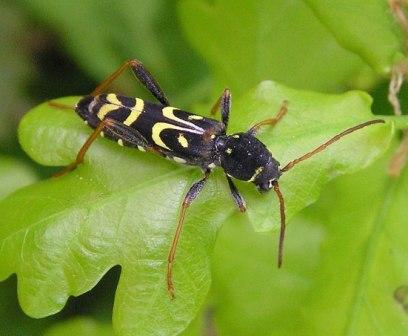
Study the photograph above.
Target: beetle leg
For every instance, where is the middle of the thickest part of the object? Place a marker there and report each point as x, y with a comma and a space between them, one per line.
191, 195
142, 74
224, 104
271, 121
239, 201
60, 106
123, 133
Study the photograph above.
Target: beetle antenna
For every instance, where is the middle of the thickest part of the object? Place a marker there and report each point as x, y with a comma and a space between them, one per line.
283, 221
329, 142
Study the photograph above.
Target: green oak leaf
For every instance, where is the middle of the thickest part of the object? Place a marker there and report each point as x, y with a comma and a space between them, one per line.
13, 321
89, 326
120, 207
251, 296
246, 42
345, 260
366, 28
14, 174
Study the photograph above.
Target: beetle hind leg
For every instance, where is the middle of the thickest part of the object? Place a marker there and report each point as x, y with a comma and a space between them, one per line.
60, 106
123, 133
80, 156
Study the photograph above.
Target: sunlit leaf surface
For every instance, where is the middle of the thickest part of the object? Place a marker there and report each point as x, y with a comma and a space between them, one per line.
120, 207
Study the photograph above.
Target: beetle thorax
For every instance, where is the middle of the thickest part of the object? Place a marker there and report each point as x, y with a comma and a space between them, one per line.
244, 157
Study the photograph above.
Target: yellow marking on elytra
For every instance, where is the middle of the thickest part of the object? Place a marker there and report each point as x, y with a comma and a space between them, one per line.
211, 165
236, 136
105, 109
160, 126
113, 99
134, 112
212, 136
228, 151
179, 160
182, 140
168, 112
141, 148
102, 134
195, 117
257, 172
120, 142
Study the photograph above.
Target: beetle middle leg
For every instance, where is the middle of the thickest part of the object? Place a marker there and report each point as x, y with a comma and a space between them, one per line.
238, 199
271, 121
191, 195
224, 104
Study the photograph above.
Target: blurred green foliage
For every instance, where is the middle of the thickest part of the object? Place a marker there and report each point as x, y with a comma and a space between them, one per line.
15, 70
100, 35
368, 30
344, 260
345, 255
258, 40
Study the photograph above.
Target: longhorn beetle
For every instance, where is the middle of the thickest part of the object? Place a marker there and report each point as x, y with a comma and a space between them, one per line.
190, 139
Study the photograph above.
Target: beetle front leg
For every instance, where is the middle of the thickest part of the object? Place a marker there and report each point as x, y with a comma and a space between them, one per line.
191, 195
271, 121
224, 104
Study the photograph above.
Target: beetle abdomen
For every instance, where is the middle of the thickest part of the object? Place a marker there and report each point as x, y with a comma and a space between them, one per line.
180, 135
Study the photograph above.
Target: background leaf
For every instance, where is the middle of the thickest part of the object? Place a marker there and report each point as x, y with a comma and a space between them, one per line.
101, 36
343, 263
246, 42
368, 30
14, 174
80, 327
14, 67
90, 326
